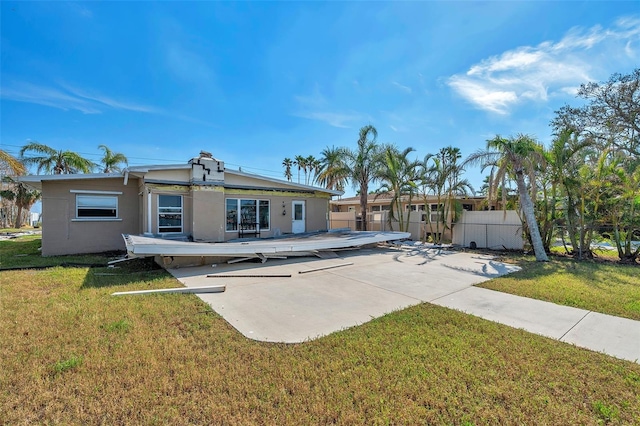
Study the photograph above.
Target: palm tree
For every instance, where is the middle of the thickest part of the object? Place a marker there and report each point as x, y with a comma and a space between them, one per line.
287, 164
398, 175
15, 165
55, 162
362, 166
332, 172
112, 160
301, 162
516, 156
313, 165
22, 197
563, 180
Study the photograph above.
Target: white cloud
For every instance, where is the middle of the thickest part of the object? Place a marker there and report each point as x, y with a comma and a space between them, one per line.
402, 87
67, 98
536, 73
331, 118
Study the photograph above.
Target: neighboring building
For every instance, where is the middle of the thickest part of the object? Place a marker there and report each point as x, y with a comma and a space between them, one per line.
423, 219
198, 201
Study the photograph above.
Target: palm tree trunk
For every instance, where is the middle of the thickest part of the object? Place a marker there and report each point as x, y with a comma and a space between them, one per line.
530, 217
363, 207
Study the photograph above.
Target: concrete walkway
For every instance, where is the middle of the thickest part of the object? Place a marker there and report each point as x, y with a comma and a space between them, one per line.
364, 284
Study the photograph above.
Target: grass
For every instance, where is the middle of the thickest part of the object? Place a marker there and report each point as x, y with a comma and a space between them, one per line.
23, 252
169, 359
604, 287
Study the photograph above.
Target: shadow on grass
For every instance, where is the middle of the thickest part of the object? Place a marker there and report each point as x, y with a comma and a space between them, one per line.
25, 254
132, 271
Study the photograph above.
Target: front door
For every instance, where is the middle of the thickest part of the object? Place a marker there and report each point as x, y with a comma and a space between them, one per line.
298, 216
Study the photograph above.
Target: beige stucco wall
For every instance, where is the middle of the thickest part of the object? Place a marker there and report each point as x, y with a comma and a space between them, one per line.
232, 179
187, 215
179, 175
316, 208
208, 219
62, 233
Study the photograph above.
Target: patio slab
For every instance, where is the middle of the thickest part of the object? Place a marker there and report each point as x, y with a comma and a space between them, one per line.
368, 283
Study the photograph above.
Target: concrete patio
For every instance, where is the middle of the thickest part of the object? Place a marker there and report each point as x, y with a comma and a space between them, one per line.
364, 284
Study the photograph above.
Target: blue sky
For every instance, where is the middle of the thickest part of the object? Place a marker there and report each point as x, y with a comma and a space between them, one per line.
255, 82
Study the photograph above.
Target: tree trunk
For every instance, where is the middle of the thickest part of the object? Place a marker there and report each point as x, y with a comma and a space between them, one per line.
19, 218
363, 206
530, 217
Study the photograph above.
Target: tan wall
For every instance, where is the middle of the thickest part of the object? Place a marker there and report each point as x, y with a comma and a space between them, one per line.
208, 221
490, 229
181, 175
342, 220
61, 234
187, 210
232, 179
316, 208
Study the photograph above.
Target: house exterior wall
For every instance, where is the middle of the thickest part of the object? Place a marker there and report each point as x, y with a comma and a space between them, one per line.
64, 233
179, 175
208, 213
187, 211
204, 188
280, 207
240, 180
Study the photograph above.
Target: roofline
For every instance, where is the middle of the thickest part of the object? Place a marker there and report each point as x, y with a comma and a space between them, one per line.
147, 168
35, 181
286, 182
417, 199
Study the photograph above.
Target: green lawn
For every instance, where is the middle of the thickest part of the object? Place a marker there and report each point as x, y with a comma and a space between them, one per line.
73, 354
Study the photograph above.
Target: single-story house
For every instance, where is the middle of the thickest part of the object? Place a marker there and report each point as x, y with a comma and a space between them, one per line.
200, 201
423, 213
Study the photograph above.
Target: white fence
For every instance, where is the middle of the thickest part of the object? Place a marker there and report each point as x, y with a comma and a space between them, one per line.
496, 230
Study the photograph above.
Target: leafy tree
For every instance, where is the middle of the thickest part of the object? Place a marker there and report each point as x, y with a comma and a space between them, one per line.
55, 161
21, 195
516, 157
561, 182
362, 166
609, 122
287, 164
111, 161
611, 116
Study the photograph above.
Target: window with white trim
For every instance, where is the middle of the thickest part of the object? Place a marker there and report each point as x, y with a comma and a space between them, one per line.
247, 211
91, 206
169, 213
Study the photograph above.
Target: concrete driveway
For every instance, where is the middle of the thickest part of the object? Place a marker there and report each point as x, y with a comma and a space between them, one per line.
359, 286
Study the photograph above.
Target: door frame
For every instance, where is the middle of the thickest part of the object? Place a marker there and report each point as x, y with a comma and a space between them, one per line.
295, 228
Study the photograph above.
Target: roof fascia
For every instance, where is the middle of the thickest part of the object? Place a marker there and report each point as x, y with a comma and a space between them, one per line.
291, 184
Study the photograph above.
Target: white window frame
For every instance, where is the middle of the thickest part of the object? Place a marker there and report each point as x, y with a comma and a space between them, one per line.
113, 195
239, 209
172, 210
